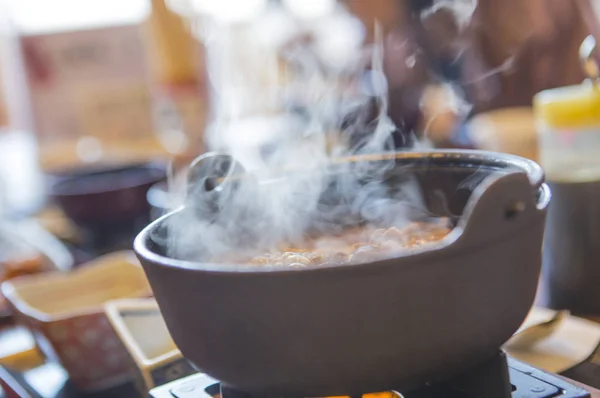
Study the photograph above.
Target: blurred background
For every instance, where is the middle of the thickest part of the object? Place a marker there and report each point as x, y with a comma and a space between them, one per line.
111, 82
103, 104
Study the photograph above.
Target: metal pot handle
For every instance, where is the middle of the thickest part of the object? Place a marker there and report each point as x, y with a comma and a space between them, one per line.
499, 205
211, 182
587, 52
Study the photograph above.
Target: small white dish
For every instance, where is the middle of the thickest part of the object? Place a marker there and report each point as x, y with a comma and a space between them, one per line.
140, 326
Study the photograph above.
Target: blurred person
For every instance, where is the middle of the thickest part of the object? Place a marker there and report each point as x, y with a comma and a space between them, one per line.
491, 54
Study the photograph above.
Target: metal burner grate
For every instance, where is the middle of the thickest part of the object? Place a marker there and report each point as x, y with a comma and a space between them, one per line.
500, 377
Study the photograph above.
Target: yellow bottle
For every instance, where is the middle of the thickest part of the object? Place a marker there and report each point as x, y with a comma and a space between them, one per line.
568, 121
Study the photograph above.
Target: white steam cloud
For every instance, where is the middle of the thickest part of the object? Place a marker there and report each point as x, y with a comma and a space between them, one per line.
331, 106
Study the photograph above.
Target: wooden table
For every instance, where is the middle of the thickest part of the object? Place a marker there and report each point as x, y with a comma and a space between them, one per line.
594, 392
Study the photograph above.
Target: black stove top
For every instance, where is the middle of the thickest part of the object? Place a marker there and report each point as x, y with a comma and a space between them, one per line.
500, 377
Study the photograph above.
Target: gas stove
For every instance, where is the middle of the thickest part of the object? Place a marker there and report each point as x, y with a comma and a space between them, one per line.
500, 377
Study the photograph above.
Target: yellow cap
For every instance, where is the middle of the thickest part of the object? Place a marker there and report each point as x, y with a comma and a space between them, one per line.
569, 107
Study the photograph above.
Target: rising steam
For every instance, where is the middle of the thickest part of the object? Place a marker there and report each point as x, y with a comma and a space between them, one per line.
328, 109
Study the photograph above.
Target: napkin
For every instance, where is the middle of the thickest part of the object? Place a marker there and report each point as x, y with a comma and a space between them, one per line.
574, 341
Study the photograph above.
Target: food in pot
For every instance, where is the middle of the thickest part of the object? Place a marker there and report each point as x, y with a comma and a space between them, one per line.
354, 246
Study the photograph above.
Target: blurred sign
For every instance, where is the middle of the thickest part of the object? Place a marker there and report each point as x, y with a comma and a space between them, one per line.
89, 83
114, 110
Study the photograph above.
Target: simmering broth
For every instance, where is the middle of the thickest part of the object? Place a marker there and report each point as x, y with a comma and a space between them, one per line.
354, 246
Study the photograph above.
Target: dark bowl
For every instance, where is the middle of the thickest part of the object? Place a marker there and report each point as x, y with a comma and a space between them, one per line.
102, 195
391, 324
108, 203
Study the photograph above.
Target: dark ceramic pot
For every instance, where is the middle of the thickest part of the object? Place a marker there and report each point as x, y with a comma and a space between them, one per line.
392, 324
108, 203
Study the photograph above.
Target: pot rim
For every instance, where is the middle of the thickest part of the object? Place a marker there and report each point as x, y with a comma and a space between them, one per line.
534, 173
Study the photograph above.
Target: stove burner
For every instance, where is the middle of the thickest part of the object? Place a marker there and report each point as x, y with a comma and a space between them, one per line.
500, 377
